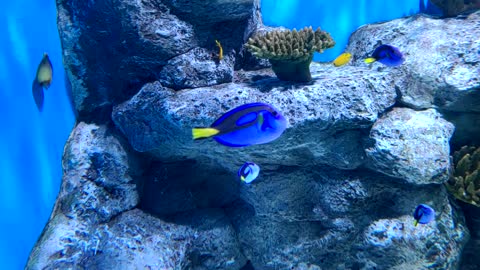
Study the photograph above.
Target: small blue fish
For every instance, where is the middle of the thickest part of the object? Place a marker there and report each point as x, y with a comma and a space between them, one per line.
248, 172
249, 124
387, 55
423, 214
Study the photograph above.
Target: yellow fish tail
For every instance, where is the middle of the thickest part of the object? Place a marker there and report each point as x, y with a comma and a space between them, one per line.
370, 60
200, 133
415, 223
220, 50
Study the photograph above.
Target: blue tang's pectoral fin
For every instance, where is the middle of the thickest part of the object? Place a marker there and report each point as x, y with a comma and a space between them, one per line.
262, 124
37, 92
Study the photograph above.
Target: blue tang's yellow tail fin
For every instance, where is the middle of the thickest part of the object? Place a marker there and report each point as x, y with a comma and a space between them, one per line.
370, 60
200, 133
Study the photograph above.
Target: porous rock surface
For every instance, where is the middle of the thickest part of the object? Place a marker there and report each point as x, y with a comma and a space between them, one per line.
325, 118
196, 68
336, 190
442, 59
110, 48
96, 223
333, 219
96, 187
404, 140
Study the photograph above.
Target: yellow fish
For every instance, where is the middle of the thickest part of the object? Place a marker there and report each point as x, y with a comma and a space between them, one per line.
45, 72
220, 50
342, 59
42, 80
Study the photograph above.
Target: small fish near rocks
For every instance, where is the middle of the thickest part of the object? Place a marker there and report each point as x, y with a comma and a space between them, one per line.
42, 80
423, 214
248, 172
387, 55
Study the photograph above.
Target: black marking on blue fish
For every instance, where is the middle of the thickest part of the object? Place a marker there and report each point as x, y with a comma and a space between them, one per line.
247, 119
228, 122
245, 170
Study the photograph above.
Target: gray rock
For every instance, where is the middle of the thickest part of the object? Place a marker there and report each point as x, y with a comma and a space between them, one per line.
113, 47
136, 240
197, 68
325, 118
205, 240
230, 22
411, 145
96, 187
216, 244
323, 218
442, 59
97, 184
95, 225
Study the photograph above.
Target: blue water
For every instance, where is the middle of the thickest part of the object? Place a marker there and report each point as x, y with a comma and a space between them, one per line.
340, 18
31, 143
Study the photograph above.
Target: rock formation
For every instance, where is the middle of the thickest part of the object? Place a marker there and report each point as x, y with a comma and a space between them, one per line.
364, 145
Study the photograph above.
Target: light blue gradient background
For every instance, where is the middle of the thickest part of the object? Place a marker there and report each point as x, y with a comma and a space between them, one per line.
31, 143
338, 17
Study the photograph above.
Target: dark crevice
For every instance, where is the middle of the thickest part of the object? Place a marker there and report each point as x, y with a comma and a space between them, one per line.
236, 212
172, 188
470, 259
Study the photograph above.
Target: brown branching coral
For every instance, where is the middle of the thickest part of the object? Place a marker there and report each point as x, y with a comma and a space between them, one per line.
455, 7
464, 184
290, 52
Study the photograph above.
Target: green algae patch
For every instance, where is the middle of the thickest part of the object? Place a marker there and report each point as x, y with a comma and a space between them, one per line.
465, 181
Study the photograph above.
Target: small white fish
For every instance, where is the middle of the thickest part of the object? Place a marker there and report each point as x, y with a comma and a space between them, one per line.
248, 172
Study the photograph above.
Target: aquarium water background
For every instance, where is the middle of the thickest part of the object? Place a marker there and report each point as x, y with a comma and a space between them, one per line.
340, 18
31, 143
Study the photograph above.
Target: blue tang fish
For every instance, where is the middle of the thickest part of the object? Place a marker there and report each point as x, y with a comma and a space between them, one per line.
248, 172
387, 55
423, 214
249, 124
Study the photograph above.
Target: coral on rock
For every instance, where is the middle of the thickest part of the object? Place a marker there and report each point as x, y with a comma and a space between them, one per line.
290, 51
465, 181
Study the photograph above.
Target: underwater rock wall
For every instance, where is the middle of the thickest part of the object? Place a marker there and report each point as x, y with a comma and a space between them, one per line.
363, 146
111, 48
